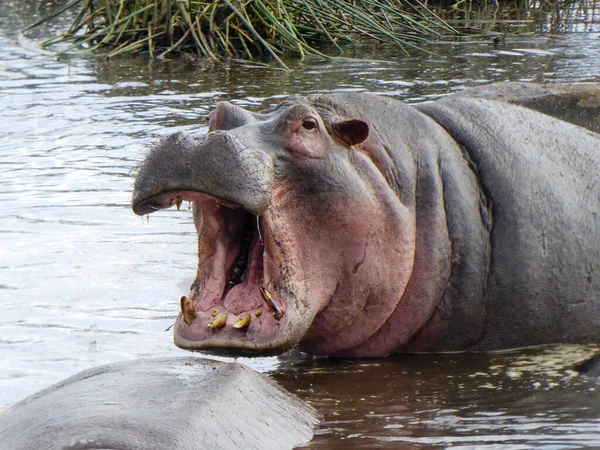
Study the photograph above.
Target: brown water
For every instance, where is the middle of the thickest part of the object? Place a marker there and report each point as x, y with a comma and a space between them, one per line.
83, 281
528, 399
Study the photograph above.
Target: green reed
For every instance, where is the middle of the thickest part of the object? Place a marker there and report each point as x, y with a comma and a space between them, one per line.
246, 29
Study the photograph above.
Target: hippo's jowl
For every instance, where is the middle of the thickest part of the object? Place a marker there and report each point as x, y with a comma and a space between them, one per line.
355, 225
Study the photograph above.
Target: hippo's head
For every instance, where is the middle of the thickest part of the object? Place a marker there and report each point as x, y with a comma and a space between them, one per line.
300, 229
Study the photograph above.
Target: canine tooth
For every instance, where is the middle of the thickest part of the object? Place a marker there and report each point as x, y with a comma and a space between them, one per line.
218, 322
258, 228
187, 310
273, 307
176, 201
242, 322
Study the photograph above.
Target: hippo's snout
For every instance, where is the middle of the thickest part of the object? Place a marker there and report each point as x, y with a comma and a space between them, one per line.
220, 165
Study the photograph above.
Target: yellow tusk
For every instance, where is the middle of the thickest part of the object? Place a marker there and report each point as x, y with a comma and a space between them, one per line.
242, 322
187, 310
273, 307
218, 322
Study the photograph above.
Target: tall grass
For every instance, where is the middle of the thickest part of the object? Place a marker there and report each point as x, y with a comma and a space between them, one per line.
219, 29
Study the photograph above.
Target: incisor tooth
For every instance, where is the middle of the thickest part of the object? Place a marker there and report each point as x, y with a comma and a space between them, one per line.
187, 310
218, 322
242, 322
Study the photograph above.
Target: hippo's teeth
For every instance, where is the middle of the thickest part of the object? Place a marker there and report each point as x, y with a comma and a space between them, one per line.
258, 313
218, 322
258, 229
271, 305
187, 310
242, 322
176, 201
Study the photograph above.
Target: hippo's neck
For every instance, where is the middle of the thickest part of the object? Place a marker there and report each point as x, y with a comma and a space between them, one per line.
443, 306
459, 319
454, 223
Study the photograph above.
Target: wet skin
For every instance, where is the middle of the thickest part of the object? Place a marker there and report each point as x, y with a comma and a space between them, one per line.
355, 225
158, 404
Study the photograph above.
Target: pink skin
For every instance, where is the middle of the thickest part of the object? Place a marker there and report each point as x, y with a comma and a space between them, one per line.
430, 271
326, 258
349, 259
220, 231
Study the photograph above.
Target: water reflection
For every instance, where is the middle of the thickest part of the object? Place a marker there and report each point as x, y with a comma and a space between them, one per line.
515, 400
523, 16
83, 281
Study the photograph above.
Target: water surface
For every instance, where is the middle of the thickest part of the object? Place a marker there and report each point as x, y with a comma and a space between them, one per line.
83, 281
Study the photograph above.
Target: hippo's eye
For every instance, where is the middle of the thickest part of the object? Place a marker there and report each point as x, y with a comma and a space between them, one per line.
309, 124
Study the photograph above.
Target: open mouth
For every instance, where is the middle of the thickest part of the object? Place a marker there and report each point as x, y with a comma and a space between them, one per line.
239, 302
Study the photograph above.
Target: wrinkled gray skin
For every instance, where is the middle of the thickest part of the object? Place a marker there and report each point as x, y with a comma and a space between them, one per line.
159, 404
578, 104
466, 224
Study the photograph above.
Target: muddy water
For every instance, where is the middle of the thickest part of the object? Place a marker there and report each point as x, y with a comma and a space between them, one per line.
530, 399
83, 281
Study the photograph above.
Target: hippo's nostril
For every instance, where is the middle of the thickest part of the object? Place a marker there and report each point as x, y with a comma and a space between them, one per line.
309, 124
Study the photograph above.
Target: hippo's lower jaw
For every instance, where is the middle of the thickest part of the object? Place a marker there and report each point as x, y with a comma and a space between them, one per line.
240, 302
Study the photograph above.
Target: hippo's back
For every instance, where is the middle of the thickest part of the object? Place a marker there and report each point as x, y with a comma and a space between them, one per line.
541, 177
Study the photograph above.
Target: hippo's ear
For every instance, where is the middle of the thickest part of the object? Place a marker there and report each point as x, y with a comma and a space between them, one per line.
351, 131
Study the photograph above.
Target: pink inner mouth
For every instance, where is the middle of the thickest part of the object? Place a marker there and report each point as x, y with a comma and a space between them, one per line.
234, 302
231, 259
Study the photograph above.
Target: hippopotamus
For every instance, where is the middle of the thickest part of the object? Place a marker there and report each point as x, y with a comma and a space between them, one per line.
355, 225
157, 404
